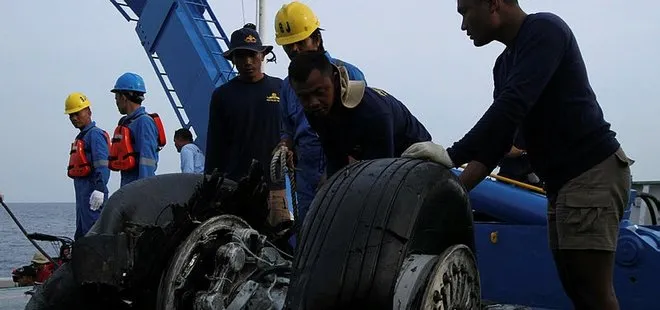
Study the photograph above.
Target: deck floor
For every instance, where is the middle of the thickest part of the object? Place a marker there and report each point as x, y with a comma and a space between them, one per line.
14, 298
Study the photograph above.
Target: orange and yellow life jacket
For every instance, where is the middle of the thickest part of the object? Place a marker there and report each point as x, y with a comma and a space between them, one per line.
122, 155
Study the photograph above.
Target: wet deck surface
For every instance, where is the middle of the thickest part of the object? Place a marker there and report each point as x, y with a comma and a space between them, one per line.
14, 298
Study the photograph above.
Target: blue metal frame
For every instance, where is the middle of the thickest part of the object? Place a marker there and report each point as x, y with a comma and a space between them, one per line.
177, 31
177, 35
516, 264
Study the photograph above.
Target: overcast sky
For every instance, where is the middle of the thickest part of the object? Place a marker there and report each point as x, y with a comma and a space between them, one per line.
416, 51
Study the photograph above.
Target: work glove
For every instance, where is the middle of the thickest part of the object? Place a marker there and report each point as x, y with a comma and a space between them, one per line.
431, 151
95, 200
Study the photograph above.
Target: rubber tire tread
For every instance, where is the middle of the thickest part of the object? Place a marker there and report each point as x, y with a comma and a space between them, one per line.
141, 201
365, 221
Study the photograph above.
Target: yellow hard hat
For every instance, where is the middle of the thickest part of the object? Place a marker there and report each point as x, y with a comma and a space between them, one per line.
294, 22
75, 102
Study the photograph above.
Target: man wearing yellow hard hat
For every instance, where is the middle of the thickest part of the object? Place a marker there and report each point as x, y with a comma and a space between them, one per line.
297, 29
88, 163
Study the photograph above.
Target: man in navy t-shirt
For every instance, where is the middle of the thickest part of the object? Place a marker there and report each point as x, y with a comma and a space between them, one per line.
244, 119
541, 87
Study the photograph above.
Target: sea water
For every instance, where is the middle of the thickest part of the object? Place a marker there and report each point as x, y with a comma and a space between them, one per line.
58, 219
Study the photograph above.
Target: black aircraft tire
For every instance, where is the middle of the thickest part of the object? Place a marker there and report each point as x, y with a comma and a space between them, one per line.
365, 221
143, 201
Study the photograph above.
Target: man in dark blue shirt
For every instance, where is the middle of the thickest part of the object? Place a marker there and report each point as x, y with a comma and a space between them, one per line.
350, 118
541, 87
244, 119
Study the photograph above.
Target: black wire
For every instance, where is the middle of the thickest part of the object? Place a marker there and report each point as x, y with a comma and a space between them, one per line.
285, 270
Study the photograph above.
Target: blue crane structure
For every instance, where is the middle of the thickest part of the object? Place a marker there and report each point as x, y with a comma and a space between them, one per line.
183, 40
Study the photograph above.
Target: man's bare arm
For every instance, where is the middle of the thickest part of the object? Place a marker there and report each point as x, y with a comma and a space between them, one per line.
473, 174
515, 152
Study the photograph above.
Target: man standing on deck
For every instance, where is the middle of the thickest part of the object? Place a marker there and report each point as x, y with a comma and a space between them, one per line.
244, 119
541, 86
297, 29
352, 120
138, 136
192, 158
88, 163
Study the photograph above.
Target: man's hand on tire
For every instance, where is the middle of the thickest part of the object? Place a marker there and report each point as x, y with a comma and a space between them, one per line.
431, 151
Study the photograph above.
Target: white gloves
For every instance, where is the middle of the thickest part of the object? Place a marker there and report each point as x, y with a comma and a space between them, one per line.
431, 151
95, 200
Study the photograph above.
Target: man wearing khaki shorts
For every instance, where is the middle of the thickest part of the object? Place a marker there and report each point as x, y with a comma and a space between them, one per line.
542, 90
583, 229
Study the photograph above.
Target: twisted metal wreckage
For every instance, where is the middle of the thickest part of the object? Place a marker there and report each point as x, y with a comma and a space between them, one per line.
376, 239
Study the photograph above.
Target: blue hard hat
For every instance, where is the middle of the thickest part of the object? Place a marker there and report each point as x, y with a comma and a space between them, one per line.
129, 82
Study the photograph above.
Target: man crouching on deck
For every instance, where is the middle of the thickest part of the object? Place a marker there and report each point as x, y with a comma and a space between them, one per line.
352, 120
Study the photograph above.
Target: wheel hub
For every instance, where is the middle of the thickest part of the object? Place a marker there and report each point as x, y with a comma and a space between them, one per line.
449, 281
225, 264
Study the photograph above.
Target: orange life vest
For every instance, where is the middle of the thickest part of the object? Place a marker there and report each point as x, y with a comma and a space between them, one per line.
122, 155
79, 166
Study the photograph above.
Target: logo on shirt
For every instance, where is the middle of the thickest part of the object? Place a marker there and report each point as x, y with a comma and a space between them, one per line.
273, 98
250, 39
